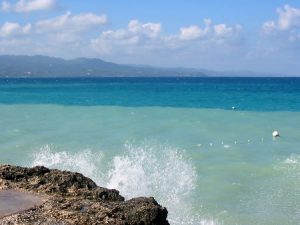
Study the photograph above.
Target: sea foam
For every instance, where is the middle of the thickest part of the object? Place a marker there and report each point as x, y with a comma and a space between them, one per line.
140, 170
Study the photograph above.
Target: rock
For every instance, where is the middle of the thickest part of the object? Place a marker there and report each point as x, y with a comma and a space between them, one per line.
75, 199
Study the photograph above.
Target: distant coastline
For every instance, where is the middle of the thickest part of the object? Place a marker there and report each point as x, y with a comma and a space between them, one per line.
22, 66
44, 66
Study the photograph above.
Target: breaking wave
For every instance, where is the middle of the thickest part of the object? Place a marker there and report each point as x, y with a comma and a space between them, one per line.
140, 170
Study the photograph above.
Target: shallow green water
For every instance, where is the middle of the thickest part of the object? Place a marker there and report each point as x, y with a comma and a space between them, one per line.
207, 166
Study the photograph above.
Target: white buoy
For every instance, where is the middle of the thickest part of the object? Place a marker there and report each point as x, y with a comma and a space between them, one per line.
275, 133
233, 107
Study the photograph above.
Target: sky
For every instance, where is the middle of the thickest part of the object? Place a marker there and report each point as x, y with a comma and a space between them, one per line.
231, 35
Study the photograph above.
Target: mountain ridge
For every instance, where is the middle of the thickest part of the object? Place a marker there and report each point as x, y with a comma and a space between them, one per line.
16, 66
45, 66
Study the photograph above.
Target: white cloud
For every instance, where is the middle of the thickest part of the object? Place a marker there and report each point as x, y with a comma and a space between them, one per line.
134, 39
68, 34
209, 32
11, 29
26, 29
34, 5
288, 19
144, 38
269, 27
150, 29
64, 28
71, 23
194, 32
222, 30
26, 6
191, 32
5, 6
136, 33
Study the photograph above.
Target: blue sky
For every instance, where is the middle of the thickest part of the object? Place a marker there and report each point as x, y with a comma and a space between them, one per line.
253, 35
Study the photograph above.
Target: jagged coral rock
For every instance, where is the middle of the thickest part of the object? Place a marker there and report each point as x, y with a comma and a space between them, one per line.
75, 199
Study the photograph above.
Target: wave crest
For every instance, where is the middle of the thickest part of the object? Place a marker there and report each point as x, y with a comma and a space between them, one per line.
141, 170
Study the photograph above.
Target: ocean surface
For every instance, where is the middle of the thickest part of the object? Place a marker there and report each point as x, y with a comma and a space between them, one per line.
203, 147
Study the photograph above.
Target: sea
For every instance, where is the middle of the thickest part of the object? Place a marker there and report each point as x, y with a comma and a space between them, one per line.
203, 147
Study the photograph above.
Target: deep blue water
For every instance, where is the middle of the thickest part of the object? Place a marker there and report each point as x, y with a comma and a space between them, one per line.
255, 94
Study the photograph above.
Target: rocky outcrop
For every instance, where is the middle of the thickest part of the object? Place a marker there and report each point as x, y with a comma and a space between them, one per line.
75, 199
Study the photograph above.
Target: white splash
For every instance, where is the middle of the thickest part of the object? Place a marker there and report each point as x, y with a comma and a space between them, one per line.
293, 159
85, 162
144, 170
291, 166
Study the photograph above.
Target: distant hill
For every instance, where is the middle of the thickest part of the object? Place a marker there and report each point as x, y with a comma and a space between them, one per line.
239, 73
44, 66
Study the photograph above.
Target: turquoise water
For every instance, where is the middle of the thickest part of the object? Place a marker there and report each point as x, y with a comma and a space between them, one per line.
175, 139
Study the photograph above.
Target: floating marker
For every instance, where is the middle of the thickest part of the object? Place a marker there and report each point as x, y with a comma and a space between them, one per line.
233, 107
275, 133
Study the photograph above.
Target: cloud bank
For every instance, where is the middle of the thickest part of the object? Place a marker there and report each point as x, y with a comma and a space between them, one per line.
205, 43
